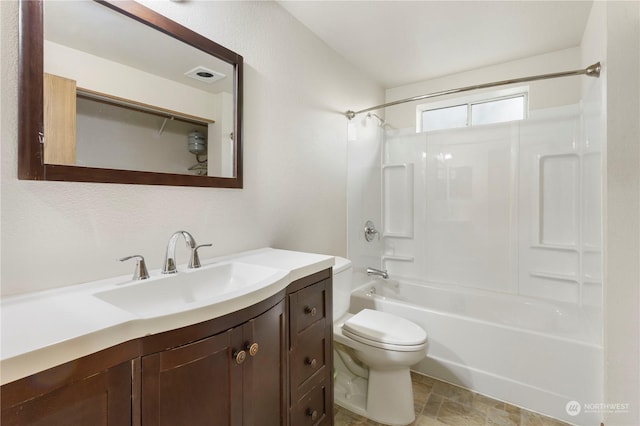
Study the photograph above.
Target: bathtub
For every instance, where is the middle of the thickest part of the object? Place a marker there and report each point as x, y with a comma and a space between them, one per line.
527, 352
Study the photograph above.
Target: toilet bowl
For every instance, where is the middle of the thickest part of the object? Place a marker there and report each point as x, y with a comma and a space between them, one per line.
373, 353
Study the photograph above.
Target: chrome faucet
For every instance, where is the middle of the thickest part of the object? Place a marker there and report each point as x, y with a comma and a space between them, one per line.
378, 272
169, 266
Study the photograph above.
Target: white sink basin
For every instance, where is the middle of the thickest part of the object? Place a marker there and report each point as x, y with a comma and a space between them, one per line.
190, 289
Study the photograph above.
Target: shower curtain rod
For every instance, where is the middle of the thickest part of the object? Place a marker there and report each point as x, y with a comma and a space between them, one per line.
591, 71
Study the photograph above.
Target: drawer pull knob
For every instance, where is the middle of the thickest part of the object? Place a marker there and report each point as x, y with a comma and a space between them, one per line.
313, 414
310, 311
253, 349
311, 362
240, 357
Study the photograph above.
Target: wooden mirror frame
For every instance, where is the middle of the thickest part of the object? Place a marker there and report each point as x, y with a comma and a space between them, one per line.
31, 165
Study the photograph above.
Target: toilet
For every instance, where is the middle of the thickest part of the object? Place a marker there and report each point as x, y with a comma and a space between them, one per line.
373, 351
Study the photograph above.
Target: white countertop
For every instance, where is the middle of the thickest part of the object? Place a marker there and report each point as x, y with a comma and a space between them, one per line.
44, 329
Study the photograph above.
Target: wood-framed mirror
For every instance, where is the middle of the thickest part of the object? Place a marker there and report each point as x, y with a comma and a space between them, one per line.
94, 106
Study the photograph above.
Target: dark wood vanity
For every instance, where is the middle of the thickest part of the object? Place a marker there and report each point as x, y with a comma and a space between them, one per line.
268, 364
310, 350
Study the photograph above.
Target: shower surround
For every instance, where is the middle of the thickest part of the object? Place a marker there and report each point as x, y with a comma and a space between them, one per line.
492, 236
513, 207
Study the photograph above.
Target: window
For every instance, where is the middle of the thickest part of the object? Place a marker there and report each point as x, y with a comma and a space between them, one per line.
488, 108
444, 118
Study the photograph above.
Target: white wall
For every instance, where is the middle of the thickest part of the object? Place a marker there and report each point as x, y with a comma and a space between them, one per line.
542, 94
613, 36
295, 155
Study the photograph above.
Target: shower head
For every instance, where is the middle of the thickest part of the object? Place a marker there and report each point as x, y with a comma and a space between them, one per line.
381, 122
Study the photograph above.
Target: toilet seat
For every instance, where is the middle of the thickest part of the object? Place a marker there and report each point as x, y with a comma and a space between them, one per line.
385, 331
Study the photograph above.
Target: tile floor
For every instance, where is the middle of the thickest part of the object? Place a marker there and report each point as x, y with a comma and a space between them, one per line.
438, 404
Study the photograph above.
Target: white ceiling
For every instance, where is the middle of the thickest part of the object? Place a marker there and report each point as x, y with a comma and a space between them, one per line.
402, 42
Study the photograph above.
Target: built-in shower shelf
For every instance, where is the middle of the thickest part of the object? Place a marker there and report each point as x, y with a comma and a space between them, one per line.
396, 165
556, 199
386, 257
554, 276
587, 248
558, 247
567, 247
590, 278
397, 200
396, 235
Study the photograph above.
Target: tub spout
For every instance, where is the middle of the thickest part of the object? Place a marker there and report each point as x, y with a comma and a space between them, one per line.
378, 272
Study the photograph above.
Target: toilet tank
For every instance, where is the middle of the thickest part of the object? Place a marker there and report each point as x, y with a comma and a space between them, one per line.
342, 276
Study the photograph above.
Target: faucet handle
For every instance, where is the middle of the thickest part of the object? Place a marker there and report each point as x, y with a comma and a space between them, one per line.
370, 231
140, 272
194, 262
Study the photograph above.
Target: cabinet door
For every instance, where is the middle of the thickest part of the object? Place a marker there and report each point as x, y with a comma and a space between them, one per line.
59, 120
264, 371
100, 399
195, 384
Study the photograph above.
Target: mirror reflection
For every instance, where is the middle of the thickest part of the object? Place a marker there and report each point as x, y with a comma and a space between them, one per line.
121, 95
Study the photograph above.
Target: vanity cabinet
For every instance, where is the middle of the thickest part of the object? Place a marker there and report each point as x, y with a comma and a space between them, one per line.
62, 397
231, 378
269, 364
311, 350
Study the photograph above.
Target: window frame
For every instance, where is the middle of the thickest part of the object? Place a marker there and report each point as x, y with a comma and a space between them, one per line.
469, 101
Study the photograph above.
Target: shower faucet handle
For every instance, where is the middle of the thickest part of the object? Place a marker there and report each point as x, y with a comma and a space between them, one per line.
194, 262
370, 231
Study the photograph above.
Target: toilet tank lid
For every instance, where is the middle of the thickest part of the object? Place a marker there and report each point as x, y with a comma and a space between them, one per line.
341, 264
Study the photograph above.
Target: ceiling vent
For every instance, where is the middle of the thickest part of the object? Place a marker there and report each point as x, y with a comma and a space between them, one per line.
204, 74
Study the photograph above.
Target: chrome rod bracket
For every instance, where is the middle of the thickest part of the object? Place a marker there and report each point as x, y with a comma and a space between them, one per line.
593, 70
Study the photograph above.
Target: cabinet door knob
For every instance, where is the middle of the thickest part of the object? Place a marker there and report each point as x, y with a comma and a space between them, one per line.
313, 414
252, 348
311, 362
310, 311
240, 356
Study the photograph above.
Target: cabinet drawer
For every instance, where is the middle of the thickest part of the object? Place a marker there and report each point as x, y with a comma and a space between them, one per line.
308, 306
314, 408
308, 356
